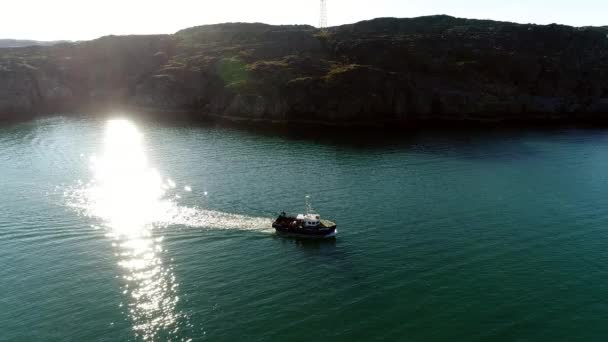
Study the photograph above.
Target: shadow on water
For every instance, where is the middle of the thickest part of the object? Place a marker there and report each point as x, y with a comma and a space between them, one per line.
475, 142
305, 244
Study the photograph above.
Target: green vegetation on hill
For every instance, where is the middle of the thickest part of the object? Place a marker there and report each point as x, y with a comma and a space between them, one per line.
386, 69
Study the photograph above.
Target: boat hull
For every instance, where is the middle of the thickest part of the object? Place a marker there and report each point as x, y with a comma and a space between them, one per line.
306, 233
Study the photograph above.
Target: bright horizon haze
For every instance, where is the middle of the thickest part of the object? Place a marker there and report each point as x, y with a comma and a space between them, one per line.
79, 20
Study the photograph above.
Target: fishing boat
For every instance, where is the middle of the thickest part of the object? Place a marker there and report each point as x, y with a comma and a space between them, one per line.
309, 225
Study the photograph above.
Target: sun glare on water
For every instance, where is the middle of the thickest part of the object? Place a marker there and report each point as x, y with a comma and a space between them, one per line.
128, 195
126, 190
133, 202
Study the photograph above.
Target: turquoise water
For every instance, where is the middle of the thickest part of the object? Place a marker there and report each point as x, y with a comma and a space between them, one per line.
124, 230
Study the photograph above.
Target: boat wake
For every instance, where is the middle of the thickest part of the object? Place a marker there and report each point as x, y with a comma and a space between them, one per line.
126, 193
166, 213
196, 217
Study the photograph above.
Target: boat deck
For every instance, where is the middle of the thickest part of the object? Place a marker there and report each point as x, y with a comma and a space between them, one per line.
327, 224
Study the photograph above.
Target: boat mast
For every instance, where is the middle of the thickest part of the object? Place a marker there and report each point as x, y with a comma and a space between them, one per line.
309, 209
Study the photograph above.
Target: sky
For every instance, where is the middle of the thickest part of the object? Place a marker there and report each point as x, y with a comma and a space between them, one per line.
88, 19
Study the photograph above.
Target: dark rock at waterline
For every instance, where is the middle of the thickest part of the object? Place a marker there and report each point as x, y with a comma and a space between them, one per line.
383, 70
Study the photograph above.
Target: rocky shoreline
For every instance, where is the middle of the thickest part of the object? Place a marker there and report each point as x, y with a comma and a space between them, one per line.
379, 72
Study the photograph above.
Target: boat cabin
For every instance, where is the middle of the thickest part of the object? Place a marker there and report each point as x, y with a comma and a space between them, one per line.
309, 220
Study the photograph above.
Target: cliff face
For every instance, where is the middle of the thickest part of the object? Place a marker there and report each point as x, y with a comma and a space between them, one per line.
383, 70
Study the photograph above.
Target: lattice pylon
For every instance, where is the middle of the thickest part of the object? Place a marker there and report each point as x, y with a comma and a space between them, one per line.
323, 17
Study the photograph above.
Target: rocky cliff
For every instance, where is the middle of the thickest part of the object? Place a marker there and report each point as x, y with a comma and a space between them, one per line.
382, 70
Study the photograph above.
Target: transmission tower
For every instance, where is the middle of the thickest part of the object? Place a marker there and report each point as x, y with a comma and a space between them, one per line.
323, 17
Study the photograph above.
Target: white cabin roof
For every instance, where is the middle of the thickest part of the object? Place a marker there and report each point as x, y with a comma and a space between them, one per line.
309, 217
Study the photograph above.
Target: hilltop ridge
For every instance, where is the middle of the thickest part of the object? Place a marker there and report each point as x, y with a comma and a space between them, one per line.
13, 43
382, 70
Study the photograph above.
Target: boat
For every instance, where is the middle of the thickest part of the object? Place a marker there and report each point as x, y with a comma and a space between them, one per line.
309, 225
304, 225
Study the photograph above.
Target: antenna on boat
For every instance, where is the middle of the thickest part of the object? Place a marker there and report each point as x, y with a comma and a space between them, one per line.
309, 209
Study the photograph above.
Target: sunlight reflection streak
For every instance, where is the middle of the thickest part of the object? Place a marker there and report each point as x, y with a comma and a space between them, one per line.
131, 198
127, 194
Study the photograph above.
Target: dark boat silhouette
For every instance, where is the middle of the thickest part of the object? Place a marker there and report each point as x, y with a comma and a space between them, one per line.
305, 225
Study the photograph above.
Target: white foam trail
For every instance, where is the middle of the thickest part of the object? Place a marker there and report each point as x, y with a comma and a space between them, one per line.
196, 217
166, 212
